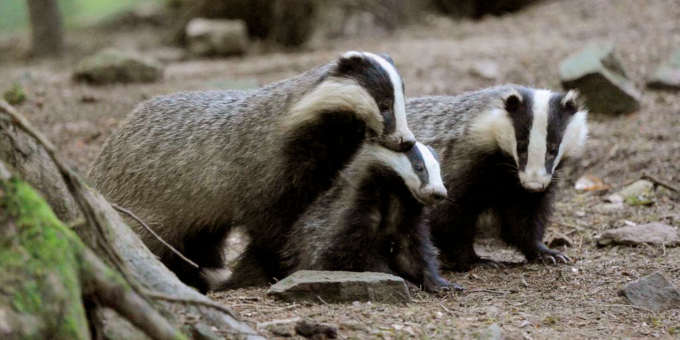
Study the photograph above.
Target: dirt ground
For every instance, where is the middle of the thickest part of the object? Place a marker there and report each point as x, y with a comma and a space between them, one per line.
528, 301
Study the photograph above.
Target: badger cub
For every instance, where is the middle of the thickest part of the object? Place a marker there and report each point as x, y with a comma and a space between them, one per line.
502, 148
194, 164
372, 219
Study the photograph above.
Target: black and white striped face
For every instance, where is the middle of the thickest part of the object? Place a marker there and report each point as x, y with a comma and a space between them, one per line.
377, 75
548, 127
419, 168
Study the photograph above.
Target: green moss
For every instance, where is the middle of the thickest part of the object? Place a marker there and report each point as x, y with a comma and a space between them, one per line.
39, 263
15, 95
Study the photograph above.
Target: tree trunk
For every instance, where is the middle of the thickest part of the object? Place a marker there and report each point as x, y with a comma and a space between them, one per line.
46, 27
103, 231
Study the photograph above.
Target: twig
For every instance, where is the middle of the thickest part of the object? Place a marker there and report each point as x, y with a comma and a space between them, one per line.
660, 182
324, 302
277, 322
129, 213
632, 306
488, 291
446, 309
207, 303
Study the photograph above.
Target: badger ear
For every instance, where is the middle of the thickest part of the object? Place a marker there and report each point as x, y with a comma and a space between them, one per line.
350, 61
512, 101
386, 57
571, 103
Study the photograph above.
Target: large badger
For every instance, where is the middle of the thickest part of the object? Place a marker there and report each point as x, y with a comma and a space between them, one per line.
194, 164
372, 219
502, 148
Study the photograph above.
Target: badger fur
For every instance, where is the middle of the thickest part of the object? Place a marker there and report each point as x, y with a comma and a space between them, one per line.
502, 148
372, 218
193, 164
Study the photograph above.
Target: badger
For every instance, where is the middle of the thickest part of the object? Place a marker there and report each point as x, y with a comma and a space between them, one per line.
372, 219
502, 150
194, 164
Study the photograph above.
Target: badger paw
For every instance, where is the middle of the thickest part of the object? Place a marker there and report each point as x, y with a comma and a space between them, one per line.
490, 264
547, 255
438, 284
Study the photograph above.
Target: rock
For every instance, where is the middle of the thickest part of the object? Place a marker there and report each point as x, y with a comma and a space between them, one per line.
492, 332
216, 37
667, 76
485, 69
599, 76
339, 286
315, 330
650, 233
590, 182
640, 192
116, 66
653, 292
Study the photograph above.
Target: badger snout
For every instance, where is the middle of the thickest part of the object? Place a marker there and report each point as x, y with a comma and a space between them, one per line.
535, 181
399, 141
432, 195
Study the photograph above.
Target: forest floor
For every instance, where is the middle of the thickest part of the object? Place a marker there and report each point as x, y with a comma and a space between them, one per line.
531, 301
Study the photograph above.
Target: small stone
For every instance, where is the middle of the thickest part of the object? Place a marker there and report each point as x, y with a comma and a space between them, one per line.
640, 192
667, 76
116, 66
589, 182
316, 330
650, 233
217, 37
485, 69
608, 207
599, 76
340, 286
653, 292
492, 332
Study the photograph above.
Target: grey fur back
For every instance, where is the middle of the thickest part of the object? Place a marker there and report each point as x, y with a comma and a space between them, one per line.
205, 147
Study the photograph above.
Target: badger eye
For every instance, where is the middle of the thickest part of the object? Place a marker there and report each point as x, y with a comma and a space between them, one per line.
419, 168
553, 150
384, 106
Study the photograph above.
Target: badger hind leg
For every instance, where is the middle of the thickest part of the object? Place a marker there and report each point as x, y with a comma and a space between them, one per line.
453, 232
206, 249
256, 267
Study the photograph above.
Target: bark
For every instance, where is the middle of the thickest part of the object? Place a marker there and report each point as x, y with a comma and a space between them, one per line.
105, 233
46, 27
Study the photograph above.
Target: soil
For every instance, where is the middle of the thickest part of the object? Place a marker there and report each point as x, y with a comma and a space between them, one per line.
532, 301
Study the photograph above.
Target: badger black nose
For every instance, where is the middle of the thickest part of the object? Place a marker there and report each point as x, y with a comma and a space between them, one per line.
439, 196
406, 144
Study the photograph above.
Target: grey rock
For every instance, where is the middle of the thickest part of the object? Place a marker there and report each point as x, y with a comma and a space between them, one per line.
599, 76
217, 37
485, 69
653, 292
640, 192
115, 66
339, 286
492, 332
667, 76
650, 233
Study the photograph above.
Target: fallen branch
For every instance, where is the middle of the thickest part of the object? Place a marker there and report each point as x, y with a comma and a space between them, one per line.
660, 182
129, 213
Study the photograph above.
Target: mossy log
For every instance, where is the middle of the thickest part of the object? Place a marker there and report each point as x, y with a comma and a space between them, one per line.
107, 238
49, 275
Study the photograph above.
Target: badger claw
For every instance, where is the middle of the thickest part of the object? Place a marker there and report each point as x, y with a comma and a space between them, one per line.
491, 264
545, 254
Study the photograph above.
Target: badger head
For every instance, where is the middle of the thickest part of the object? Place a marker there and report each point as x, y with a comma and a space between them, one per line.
419, 169
541, 128
369, 86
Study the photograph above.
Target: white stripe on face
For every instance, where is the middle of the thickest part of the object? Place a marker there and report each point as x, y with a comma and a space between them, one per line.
435, 182
399, 107
534, 177
574, 138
